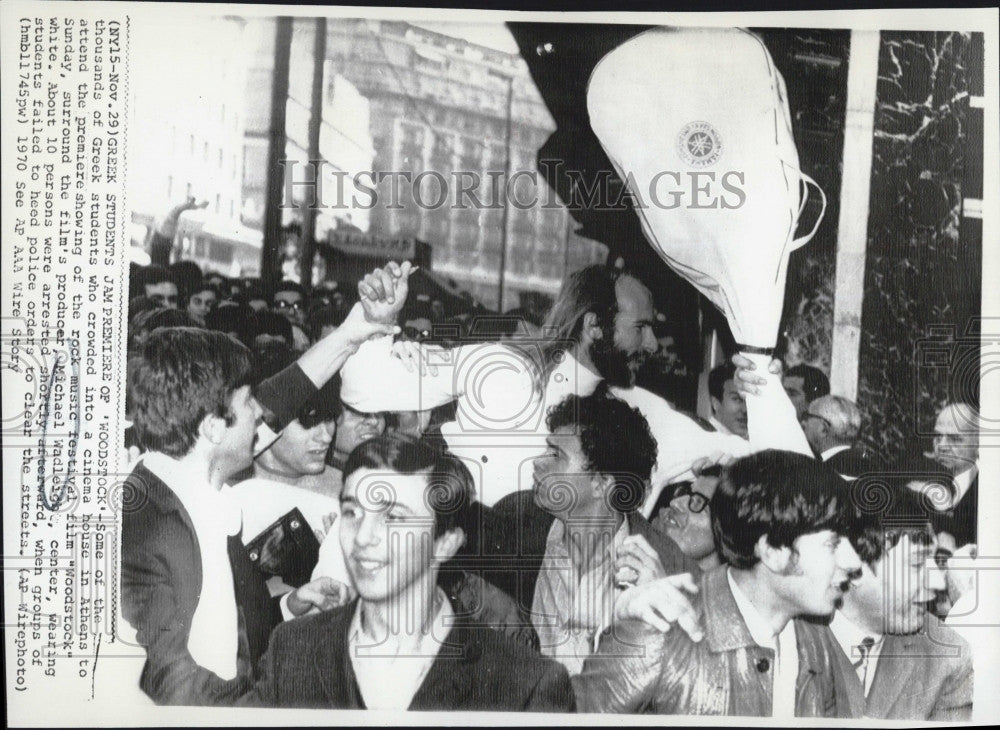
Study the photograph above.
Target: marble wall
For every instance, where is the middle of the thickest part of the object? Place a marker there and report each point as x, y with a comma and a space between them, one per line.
923, 269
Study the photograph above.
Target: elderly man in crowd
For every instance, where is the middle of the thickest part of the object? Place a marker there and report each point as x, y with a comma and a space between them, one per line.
831, 425
956, 447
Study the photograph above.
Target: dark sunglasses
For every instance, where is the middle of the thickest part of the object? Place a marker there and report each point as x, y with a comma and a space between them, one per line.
697, 502
310, 417
282, 304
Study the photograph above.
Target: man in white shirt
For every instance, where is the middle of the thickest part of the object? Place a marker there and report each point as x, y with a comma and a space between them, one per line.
599, 330
402, 645
189, 589
292, 473
908, 666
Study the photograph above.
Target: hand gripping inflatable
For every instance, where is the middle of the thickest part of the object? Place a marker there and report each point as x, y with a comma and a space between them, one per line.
696, 122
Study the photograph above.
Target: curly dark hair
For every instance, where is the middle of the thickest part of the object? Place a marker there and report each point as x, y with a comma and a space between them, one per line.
615, 440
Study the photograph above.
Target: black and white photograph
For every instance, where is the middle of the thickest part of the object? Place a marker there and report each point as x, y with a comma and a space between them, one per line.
408, 361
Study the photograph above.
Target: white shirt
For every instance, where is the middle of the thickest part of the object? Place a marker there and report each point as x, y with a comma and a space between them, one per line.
388, 679
850, 636
570, 608
500, 426
214, 638
264, 501
832, 451
784, 646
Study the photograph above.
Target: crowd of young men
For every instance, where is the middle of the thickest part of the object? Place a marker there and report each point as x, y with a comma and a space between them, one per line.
566, 541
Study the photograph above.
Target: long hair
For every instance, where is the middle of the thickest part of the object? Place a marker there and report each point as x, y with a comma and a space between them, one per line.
591, 289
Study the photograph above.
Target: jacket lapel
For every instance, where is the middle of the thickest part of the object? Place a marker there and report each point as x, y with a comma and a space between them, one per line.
893, 672
332, 662
453, 674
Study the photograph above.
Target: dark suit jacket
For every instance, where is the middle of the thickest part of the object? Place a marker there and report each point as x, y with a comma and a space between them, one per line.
514, 536
851, 463
161, 586
162, 577
308, 664
960, 521
918, 677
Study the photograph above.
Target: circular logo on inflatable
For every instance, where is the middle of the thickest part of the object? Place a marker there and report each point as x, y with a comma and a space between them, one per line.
699, 144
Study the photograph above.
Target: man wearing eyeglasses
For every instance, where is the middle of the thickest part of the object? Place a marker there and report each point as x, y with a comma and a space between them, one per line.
831, 425
288, 300
687, 520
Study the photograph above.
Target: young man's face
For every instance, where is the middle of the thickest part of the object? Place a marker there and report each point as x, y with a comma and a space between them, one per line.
563, 483
355, 427
732, 409
200, 304
237, 444
164, 294
300, 451
895, 592
818, 572
386, 532
688, 519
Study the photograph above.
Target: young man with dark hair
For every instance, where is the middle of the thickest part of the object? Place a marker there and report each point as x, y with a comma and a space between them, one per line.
779, 521
804, 384
405, 511
189, 590
293, 474
159, 285
908, 666
729, 409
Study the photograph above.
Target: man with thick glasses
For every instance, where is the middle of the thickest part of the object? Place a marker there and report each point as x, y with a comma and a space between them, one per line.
687, 519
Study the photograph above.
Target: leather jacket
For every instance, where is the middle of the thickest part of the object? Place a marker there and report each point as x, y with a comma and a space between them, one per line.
639, 670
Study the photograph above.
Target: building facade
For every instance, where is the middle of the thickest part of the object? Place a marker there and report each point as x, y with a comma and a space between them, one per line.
439, 121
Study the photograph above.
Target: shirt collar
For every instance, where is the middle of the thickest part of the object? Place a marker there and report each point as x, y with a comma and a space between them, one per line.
430, 641
718, 425
555, 544
833, 450
849, 635
204, 504
760, 630
569, 377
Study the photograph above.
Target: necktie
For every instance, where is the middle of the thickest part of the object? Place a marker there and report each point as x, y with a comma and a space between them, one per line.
861, 663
